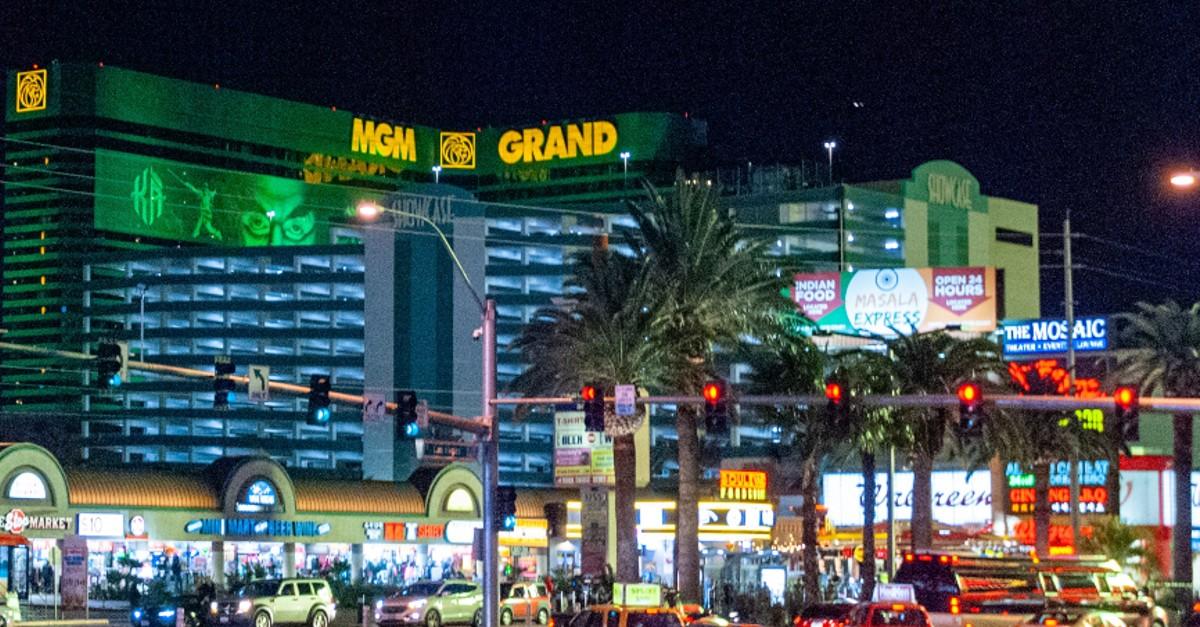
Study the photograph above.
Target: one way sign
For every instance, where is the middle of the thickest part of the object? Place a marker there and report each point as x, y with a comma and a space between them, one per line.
258, 385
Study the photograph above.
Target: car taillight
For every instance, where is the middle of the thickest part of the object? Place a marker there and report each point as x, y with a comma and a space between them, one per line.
954, 605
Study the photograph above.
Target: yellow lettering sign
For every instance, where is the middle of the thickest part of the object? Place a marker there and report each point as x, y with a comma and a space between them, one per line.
557, 142
384, 140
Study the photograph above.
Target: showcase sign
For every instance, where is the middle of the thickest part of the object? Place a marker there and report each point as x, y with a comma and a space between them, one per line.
1030, 338
958, 499
898, 300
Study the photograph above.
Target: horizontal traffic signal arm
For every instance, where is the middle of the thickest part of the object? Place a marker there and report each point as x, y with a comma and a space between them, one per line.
457, 422
1005, 401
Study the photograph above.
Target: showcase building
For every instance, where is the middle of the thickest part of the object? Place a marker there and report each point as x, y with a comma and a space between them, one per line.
192, 220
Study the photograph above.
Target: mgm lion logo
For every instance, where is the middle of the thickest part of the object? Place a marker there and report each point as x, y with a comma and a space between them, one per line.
31, 91
458, 151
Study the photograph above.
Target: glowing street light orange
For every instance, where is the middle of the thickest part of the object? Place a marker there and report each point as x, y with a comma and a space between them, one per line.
1184, 179
368, 210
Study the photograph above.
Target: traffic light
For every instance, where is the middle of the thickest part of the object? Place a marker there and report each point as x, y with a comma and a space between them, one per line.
318, 400
970, 419
838, 403
406, 415
223, 386
716, 408
506, 508
593, 407
1126, 399
111, 364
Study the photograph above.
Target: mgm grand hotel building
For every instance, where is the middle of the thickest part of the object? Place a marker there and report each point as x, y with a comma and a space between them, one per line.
191, 220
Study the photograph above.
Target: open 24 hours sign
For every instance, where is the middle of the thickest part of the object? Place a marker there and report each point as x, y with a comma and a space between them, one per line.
898, 300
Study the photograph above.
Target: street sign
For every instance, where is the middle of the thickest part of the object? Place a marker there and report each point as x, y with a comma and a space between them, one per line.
625, 400
260, 377
374, 407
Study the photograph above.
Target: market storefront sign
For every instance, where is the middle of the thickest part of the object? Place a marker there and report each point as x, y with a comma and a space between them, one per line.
17, 521
958, 499
747, 485
250, 527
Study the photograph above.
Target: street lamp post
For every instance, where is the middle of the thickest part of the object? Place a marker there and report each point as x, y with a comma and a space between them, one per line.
437, 174
488, 449
625, 163
829, 146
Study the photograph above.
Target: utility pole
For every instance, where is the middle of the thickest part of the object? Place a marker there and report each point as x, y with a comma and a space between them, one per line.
1069, 307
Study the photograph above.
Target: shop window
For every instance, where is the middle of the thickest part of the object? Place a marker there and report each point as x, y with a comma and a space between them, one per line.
460, 500
27, 485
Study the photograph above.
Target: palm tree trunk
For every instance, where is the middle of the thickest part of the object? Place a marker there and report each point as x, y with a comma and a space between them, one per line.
1182, 539
922, 505
687, 520
1041, 507
810, 490
868, 538
625, 462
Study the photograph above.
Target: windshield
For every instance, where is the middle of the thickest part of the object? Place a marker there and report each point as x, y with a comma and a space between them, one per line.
421, 589
663, 619
828, 610
906, 616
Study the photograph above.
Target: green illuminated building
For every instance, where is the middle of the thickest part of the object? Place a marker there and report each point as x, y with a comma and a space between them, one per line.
231, 218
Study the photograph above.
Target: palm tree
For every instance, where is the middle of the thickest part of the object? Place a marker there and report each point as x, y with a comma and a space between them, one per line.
605, 336
870, 373
790, 364
934, 362
712, 286
1161, 354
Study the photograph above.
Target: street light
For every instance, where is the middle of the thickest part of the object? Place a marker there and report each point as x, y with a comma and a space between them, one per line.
625, 161
1185, 179
829, 146
437, 172
488, 450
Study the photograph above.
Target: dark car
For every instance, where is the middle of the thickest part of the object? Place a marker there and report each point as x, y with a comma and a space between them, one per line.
161, 612
824, 615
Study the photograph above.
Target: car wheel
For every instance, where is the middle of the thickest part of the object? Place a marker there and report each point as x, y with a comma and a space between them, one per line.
506, 616
262, 619
319, 619
432, 619
477, 620
543, 617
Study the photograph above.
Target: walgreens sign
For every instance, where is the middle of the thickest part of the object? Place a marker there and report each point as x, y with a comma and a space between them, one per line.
957, 498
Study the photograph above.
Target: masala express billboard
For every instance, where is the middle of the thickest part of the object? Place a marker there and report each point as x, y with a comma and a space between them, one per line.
898, 300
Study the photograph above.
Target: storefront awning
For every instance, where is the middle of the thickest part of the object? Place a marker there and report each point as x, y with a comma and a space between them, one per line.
12, 539
124, 488
362, 497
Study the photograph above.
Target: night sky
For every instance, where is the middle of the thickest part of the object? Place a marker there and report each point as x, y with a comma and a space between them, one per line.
1080, 106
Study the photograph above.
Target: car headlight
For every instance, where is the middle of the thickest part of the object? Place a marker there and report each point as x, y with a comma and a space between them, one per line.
137, 615
213, 608
244, 606
167, 613
418, 603
378, 605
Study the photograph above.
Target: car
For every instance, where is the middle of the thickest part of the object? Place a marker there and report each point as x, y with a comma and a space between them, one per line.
524, 601
888, 614
824, 615
270, 602
433, 604
991, 591
1074, 617
1098, 583
608, 615
161, 612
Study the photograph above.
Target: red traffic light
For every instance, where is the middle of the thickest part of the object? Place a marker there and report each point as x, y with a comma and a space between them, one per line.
712, 392
1126, 397
588, 393
969, 393
834, 392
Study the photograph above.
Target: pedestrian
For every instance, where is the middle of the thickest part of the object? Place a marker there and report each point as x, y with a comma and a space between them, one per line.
47, 578
177, 572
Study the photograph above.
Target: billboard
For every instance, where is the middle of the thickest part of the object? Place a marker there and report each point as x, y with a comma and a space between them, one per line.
581, 457
898, 300
959, 497
1048, 336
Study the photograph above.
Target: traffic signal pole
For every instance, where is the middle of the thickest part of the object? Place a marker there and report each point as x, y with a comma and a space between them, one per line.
489, 460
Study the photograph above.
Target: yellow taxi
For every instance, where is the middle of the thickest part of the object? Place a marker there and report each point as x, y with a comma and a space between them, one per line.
635, 605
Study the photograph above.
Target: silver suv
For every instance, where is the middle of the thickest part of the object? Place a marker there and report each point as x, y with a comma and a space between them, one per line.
275, 601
